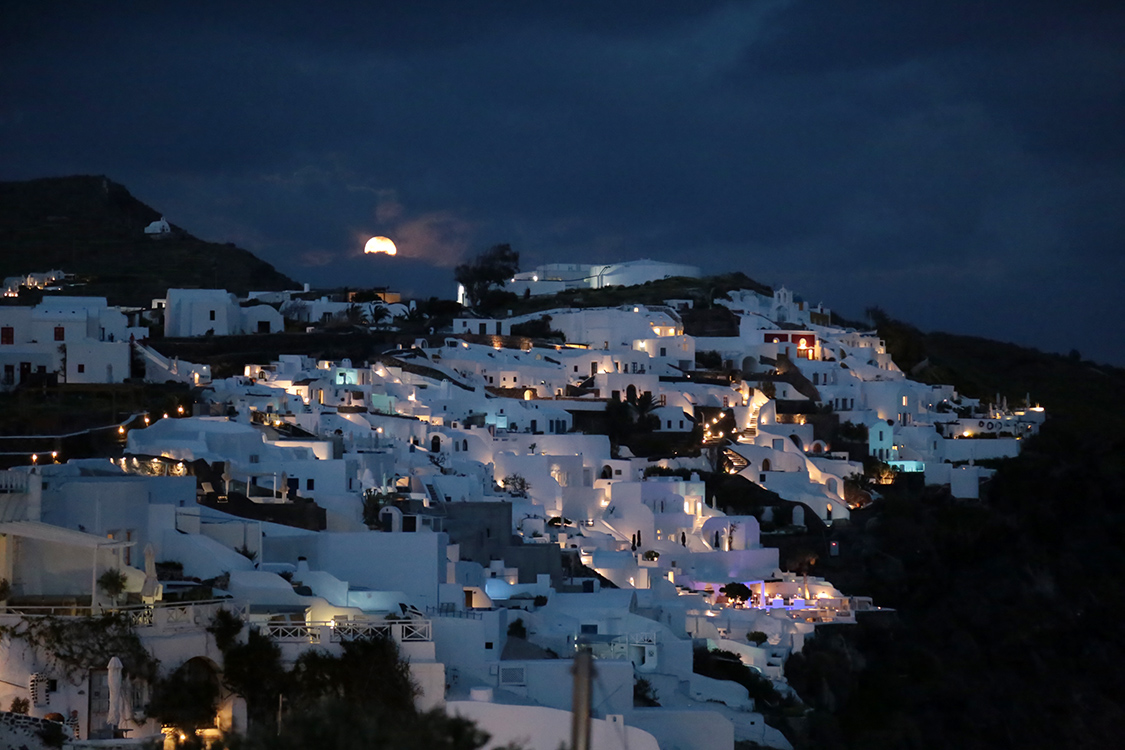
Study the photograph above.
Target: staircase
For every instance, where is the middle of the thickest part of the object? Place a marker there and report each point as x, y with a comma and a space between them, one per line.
735, 461
751, 430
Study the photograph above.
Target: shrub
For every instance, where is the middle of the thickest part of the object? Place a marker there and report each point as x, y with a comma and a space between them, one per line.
20, 706
644, 694
517, 629
225, 627
757, 637
112, 582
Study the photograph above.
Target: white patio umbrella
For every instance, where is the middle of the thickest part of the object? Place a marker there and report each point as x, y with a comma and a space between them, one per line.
151, 585
116, 714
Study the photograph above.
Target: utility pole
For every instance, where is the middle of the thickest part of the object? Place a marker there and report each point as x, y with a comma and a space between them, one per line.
580, 709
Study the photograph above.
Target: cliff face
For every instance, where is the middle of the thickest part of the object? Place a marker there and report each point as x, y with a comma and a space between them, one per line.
93, 227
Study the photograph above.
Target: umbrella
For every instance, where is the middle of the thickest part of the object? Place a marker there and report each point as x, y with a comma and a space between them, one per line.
150, 586
116, 713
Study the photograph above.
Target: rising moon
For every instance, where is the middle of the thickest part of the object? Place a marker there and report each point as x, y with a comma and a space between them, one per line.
380, 245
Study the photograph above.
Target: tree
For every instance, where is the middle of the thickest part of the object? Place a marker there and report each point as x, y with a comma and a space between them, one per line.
254, 670
492, 267
370, 675
736, 591
186, 699
377, 314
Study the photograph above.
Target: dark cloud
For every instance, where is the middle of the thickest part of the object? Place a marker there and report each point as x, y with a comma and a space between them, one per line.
958, 163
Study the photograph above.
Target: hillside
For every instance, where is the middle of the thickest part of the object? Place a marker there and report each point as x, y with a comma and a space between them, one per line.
1005, 633
1069, 387
93, 227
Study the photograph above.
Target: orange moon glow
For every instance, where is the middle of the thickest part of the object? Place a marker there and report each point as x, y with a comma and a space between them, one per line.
380, 245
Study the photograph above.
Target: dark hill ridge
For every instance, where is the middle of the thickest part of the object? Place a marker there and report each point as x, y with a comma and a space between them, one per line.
1068, 386
93, 227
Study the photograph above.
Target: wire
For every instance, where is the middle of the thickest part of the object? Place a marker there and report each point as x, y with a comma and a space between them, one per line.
620, 728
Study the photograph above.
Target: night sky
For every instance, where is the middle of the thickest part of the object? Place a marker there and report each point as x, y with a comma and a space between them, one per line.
960, 164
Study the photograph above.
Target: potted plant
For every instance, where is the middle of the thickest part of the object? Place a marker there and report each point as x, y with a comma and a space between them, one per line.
112, 582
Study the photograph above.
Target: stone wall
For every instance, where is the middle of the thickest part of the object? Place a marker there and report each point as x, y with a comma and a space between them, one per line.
19, 731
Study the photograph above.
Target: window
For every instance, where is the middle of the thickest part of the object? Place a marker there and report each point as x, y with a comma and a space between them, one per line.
663, 351
488, 645
7, 336
81, 368
60, 333
212, 314
254, 458
309, 484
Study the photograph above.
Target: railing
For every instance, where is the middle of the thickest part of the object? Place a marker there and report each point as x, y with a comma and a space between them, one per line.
449, 611
170, 614
338, 631
14, 481
290, 632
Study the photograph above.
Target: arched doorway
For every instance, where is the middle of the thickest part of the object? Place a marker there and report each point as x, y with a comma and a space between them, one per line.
435, 444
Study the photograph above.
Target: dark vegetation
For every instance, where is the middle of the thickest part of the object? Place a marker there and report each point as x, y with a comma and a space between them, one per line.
726, 665
92, 227
228, 355
362, 698
79, 421
492, 267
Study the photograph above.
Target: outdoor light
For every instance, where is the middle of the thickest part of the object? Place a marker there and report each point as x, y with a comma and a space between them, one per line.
121, 428
180, 409
34, 458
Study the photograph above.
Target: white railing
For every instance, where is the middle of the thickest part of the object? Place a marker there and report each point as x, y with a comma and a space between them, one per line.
290, 632
338, 631
13, 481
